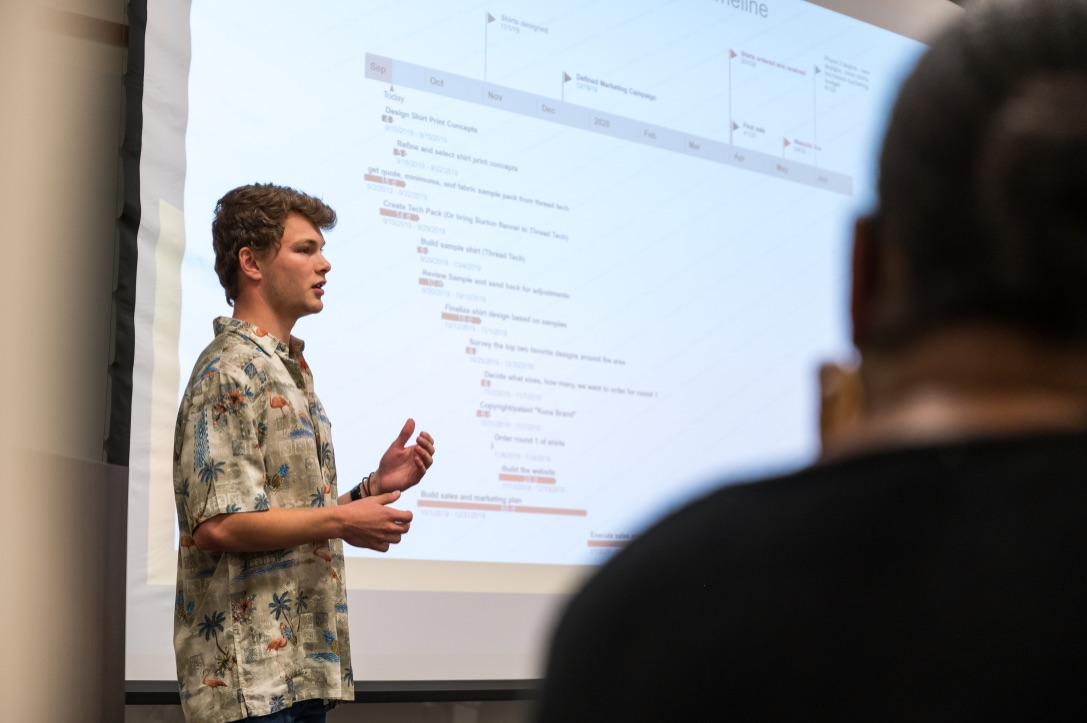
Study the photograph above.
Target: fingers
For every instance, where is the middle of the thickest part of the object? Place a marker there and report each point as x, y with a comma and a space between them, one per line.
400, 517
423, 459
393, 538
380, 536
425, 441
424, 451
389, 537
405, 433
386, 498
391, 514
380, 539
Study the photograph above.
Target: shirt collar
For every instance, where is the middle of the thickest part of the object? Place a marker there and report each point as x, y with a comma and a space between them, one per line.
269, 344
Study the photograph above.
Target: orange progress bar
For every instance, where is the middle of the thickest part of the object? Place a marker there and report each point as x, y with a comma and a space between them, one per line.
607, 543
461, 317
526, 478
491, 507
381, 179
398, 214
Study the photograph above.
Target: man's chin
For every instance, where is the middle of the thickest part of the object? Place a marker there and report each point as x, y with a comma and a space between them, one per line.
311, 309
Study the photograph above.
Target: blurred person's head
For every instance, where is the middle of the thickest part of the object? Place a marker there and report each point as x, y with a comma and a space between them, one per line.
969, 303
982, 214
254, 217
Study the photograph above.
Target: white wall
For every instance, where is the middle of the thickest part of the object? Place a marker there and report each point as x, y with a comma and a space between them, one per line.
63, 529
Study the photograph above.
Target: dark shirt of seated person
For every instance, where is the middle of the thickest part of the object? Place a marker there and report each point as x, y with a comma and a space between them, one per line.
933, 564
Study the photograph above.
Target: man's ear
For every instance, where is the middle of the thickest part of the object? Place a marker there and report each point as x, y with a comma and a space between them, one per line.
248, 264
865, 278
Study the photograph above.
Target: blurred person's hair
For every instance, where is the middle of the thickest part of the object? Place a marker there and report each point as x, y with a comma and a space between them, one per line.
983, 179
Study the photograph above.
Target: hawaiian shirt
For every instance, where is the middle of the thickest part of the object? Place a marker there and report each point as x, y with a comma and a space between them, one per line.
255, 633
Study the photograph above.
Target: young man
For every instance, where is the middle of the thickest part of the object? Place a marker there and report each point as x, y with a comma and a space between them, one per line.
931, 567
261, 610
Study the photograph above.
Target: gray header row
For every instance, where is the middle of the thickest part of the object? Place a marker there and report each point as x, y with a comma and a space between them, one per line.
458, 87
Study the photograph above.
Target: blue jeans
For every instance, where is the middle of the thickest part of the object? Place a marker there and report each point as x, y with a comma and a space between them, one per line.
308, 711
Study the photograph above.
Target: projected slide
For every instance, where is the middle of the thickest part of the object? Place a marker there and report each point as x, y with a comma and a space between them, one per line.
597, 249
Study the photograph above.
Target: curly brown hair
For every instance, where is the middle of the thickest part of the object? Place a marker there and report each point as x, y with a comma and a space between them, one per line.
253, 216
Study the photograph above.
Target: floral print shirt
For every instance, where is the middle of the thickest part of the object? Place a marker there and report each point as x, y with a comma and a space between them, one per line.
255, 633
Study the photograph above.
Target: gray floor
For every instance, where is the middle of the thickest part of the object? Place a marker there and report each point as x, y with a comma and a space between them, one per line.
473, 712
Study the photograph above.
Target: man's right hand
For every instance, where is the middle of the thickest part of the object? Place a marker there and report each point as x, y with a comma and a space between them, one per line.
372, 524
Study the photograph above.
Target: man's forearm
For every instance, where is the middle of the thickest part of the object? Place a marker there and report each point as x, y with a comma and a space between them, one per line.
272, 529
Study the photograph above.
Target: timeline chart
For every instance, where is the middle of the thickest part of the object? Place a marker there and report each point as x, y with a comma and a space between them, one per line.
469, 90
596, 249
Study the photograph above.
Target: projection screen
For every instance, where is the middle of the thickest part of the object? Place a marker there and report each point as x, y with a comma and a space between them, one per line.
597, 249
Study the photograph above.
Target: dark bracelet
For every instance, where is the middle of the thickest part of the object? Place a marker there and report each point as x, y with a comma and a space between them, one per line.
357, 491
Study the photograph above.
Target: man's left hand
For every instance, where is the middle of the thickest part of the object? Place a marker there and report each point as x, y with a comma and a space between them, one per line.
403, 466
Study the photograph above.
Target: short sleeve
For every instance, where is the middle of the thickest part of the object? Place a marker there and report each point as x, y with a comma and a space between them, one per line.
220, 466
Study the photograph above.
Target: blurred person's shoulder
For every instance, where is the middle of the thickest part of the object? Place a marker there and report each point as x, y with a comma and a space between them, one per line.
825, 511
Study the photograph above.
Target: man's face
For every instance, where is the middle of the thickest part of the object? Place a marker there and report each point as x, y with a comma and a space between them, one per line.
293, 277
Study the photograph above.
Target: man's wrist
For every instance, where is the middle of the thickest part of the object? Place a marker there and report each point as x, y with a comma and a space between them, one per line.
357, 492
365, 488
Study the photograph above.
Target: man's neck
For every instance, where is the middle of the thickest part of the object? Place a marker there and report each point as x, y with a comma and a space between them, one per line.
260, 315
967, 383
